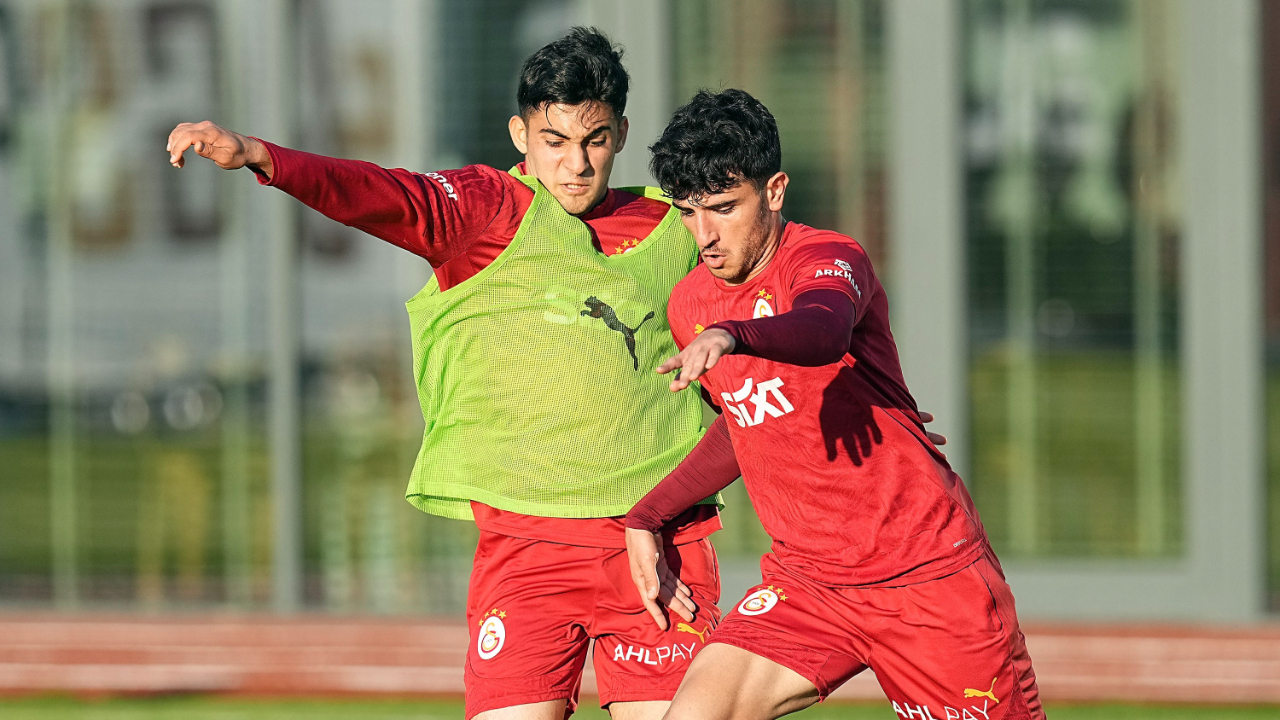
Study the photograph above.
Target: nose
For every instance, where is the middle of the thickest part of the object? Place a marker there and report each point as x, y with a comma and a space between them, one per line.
704, 231
577, 161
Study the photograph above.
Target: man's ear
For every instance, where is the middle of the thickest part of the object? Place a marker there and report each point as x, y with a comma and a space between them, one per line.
775, 191
623, 127
519, 134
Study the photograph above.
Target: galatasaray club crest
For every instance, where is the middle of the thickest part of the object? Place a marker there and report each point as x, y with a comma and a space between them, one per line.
493, 634
761, 601
763, 308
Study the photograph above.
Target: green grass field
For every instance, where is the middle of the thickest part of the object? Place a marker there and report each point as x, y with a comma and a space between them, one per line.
199, 708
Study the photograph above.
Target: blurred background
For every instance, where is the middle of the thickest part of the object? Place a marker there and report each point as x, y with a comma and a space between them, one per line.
205, 393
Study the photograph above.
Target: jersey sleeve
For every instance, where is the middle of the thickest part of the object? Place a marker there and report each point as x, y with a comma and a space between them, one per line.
435, 215
833, 265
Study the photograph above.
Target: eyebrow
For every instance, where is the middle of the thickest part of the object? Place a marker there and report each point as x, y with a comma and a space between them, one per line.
602, 129
717, 206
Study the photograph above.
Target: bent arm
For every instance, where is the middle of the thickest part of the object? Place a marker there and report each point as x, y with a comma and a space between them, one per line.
815, 332
709, 468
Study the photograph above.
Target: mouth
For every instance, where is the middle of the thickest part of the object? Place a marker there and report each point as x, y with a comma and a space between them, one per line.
575, 188
713, 260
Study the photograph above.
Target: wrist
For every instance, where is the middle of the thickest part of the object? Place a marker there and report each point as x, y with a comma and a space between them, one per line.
258, 158
731, 340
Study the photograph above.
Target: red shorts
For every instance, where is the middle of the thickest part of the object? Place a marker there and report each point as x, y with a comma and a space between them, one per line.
945, 649
533, 606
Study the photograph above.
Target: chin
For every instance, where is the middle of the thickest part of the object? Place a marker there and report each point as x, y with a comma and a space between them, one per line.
578, 204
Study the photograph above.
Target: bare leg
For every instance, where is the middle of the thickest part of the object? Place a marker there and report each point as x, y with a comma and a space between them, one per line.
549, 710
642, 710
728, 683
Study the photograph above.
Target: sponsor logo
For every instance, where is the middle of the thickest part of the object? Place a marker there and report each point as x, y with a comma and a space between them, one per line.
597, 308
493, 634
909, 711
444, 183
766, 394
842, 270
762, 308
697, 329
761, 601
971, 693
655, 656
682, 627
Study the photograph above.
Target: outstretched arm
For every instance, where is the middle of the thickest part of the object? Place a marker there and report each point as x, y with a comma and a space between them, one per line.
709, 468
438, 216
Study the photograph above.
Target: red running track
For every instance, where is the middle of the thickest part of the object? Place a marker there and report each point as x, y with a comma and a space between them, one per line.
310, 656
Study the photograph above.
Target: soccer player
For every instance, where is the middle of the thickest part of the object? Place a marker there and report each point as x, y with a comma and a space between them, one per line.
879, 559
534, 349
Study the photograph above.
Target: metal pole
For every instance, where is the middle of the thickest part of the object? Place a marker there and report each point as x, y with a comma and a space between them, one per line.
1020, 270
283, 316
1148, 191
929, 299
417, 40
61, 304
236, 502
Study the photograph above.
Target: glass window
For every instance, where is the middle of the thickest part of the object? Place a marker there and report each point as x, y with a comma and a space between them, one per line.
1072, 234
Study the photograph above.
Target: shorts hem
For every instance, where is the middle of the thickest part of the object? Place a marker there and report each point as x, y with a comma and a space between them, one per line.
497, 703
770, 653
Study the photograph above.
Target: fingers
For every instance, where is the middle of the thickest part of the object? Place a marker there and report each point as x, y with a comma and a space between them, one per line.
200, 137
656, 613
672, 363
935, 438
926, 417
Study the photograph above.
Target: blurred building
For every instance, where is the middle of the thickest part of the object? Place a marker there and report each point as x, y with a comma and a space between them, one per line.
205, 396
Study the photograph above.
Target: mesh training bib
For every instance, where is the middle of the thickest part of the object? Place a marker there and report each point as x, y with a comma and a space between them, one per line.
536, 375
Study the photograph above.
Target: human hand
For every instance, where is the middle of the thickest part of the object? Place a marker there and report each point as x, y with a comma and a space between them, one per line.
698, 357
229, 150
654, 580
935, 438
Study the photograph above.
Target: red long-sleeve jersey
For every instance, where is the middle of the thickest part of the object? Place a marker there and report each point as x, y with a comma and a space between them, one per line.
460, 221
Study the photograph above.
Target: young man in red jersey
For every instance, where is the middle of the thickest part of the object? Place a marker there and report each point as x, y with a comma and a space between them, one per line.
879, 559
547, 578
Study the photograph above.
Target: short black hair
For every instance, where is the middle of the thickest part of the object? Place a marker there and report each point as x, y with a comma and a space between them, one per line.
714, 142
583, 66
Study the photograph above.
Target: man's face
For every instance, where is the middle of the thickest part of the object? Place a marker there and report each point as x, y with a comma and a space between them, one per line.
570, 148
738, 230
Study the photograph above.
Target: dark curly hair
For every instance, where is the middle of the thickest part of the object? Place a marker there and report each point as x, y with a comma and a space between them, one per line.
583, 66
713, 143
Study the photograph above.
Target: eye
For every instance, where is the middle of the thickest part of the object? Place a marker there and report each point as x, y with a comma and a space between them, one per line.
554, 143
725, 210
599, 143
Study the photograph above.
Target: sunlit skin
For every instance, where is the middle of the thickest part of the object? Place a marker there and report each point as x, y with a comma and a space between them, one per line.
738, 232
570, 149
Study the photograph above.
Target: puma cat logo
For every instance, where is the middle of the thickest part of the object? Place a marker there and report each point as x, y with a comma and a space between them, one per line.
971, 693
600, 309
681, 627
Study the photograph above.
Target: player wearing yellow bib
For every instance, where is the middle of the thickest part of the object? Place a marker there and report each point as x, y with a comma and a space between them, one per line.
534, 350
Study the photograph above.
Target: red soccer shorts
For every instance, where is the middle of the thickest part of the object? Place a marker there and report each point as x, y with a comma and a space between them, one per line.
945, 649
533, 606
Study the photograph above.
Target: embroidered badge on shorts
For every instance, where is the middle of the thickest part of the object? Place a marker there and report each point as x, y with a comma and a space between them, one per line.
493, 634
761, 601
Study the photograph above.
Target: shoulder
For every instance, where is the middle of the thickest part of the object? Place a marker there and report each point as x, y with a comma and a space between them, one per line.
806, 247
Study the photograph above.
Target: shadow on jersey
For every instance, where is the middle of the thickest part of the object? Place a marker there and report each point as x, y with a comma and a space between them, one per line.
600, 309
